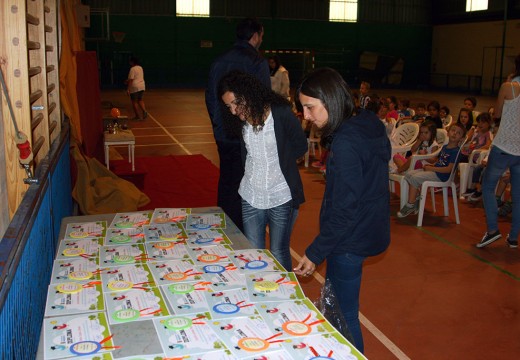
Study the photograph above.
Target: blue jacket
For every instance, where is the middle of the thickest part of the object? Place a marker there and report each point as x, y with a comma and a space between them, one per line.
291, 144
355, 212
242, 56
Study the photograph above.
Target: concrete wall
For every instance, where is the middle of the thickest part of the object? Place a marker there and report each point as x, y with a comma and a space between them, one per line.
475, 49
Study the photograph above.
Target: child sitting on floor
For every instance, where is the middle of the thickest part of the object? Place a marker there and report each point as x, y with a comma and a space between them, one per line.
440, 171
424, 144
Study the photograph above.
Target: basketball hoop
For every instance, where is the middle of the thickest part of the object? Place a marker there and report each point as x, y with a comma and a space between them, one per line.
119, 36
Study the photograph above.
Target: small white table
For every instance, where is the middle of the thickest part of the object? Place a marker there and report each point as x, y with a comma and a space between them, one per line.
122, 137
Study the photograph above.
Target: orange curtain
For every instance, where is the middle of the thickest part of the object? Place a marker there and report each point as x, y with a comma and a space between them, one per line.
70, 43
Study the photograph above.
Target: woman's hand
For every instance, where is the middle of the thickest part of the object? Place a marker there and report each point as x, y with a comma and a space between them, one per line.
305, 267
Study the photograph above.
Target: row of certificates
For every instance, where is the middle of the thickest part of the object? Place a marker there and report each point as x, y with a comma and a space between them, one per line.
179, 271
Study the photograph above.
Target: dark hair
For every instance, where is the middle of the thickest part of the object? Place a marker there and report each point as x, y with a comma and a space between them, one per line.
328, 86
421, 105
251, 95
276, 60
484, 116
470, 116
434, 104
393, 100
432, 127
472, 99
374, 104
247, 28
133, 60
446, 109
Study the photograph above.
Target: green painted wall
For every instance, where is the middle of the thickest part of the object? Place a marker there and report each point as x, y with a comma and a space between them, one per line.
171, 53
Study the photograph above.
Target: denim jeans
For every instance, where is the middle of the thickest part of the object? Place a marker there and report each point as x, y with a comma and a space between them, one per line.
280, 220
344, 272
498, 163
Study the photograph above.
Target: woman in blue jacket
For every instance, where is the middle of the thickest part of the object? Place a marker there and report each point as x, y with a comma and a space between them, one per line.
355, 212
272, 139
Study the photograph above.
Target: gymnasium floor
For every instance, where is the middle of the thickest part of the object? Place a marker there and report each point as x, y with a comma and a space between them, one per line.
431, 295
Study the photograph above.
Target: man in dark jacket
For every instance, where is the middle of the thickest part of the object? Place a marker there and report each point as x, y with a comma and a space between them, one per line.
242, 56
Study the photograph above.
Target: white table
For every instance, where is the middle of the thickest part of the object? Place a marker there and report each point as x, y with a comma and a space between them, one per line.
122, 137
125, 334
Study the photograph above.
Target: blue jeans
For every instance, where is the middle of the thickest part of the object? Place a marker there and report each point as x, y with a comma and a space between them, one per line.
281, 221
344, 272
498, 163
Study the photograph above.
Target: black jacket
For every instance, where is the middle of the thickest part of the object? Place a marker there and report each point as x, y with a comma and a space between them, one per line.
291, 144
355, 212
242, 56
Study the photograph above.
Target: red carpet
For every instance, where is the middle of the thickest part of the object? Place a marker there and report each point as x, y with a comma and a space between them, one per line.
177, 181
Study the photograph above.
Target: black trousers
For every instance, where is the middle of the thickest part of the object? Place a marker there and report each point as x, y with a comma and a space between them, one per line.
231, 173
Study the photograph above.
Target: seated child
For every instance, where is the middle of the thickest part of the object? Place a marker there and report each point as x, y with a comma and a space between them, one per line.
404, 110
420, 113
424, 144
388, 121
480, 138
440, 171
433, 110
470, 103
445, 116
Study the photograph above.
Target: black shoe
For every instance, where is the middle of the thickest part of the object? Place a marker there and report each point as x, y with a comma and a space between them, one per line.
145, 115
488, 239
512, 243
476, 196
469, 192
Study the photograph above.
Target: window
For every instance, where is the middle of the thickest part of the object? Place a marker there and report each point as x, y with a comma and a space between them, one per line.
194, 8
476, 5
343, 10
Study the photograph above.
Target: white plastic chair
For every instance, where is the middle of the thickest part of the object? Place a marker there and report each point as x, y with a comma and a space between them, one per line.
403, 138
312, 142
442, 139
466, 169
444, 185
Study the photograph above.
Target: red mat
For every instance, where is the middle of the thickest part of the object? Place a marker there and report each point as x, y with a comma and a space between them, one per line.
179, 181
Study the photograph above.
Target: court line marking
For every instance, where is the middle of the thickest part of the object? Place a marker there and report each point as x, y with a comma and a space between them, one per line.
378, 334
170, 135
169, 144
157, 135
